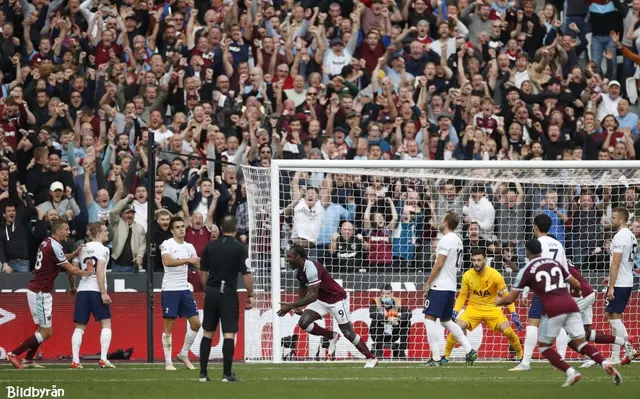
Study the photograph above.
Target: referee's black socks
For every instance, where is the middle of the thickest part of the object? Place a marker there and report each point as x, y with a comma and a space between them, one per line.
205, 350
227, 354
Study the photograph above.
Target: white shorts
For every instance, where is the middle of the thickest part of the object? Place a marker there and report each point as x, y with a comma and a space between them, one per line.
586, 308
550, 327
41, 307
339, 310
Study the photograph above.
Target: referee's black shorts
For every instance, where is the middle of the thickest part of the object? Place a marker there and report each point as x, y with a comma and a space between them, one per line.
222, 307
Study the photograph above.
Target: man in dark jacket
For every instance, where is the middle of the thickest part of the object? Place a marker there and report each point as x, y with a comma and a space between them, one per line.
390, 323
15, 232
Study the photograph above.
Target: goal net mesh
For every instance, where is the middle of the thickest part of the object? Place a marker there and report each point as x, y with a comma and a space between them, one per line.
376, 229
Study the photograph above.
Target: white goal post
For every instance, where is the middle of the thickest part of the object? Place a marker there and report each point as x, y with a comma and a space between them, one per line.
393, 210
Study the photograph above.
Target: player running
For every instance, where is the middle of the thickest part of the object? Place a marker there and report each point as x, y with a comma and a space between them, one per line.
49, 260
92, 295
323, 296
440, 292
585, 305
482, 284
620, 282
551, 249
548, 280
177, 300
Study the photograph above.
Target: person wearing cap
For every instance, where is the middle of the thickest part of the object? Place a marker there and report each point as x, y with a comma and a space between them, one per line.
61, 200
339, 55
608, 102
129, 239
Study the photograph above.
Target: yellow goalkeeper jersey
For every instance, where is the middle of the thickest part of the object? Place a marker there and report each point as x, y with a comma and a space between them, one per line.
482, 290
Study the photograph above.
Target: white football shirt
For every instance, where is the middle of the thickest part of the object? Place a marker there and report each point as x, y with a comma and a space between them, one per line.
91, 253
552, 249
450, 245
625, 242
175, 278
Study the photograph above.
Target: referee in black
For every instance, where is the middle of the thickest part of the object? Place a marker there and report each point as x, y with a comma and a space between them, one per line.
220, 264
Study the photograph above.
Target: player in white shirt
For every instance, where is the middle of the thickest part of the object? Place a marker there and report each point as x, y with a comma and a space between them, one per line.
177, 300
440, 291
620, 282
92, 297
551, 249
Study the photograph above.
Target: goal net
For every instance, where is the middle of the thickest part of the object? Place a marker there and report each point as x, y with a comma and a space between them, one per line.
374, 226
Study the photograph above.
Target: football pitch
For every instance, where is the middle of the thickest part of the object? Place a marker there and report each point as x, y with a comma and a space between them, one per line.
321, 380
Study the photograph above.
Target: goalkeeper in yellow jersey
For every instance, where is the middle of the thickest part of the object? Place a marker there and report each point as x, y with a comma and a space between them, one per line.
482, 284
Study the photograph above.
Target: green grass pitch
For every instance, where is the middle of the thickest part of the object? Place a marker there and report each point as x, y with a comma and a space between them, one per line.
325, 380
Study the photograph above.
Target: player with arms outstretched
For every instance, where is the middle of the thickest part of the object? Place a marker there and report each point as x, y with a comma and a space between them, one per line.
92, 295
49, 260
440, 291
482, 284
551, 249
323, 296
585, 305
548, 280
620, 282
177, 300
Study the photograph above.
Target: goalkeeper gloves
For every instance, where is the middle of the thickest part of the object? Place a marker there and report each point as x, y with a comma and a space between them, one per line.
454, 316
516, 320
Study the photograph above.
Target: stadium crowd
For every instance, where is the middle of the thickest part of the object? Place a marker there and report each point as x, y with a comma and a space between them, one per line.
245, 82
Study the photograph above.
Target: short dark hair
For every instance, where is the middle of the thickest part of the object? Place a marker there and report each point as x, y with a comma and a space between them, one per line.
533, 246
623, 212
543, 222
58, 224
298, 250
452, 220
387, 287
228, 224
173, 220
478, 251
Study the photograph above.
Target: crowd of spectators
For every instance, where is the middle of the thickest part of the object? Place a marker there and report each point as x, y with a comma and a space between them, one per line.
222, 84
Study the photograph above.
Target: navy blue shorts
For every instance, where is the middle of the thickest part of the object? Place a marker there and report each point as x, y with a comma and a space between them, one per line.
619, 303
535, 310
88, 303
440, 304
178, 304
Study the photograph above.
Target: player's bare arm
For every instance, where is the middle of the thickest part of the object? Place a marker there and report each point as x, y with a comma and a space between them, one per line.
248, 284
74, 253
101, 269
168, 261
613, 274
575, 286
204, 275
310, 297
508, 299
71, 270
434, 272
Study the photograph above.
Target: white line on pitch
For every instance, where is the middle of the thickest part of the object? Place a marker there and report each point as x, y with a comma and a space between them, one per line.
317, 379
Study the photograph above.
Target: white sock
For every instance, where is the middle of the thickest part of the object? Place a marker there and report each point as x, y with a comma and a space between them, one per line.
105, 341
571, 371
166, 346
619, 330
188, 341
432, 338
562, 341
39, 337
458, 334
530, 340
76, 342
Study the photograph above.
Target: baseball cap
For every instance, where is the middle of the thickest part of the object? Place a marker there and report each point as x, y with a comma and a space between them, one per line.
337, 40
553, 81
56, 185
351, 115
129, 208
614, 83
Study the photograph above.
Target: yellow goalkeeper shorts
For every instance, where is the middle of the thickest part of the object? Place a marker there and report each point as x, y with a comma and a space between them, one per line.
491, 317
